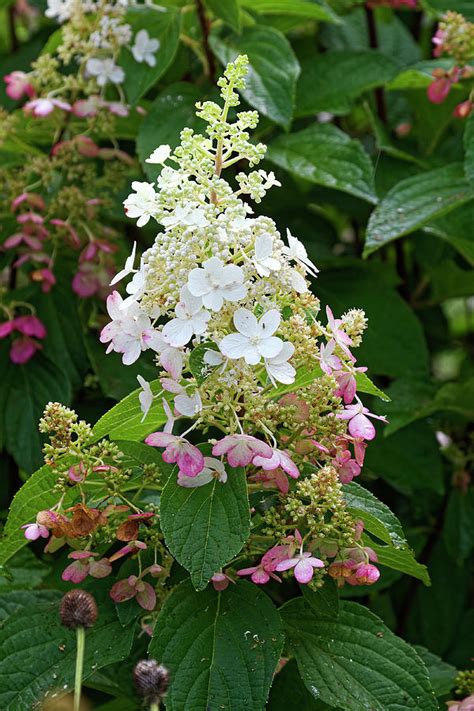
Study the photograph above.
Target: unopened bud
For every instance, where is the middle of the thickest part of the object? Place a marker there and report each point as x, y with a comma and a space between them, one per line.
151, 680
78, 609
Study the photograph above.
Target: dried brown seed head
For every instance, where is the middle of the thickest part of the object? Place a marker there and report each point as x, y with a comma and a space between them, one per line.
151, 680
78, 609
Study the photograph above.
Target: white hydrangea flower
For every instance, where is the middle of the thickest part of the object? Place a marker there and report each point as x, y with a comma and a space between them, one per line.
130, 331
278, 368
297, 252
59, 9
263, 260
187, 216
255, 339
213, 469
159, 155
144, 48
216, 282
104, 71
142, 204
269, 180
190, 320
186, 405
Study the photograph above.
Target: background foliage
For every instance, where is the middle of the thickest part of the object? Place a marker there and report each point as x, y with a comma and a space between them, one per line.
378, 183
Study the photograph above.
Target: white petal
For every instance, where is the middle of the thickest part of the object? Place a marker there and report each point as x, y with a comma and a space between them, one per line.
234, 346
270, 347
245, 322
177, 332
269, 323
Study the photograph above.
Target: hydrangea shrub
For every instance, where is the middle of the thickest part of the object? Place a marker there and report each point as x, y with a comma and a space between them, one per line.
251, 263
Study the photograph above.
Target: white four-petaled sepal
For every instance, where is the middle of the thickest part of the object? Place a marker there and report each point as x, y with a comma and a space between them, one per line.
255, 339
264, 262
278, 368
216, 282
159, 155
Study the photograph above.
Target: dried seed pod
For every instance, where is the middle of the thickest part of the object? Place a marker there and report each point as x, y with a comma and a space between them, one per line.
78, 609
151, 680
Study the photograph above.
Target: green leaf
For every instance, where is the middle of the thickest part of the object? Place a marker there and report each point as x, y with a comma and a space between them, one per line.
124, 420
420, 75
274, 69
464, 7
409, 460
469, 148
334, 80
38, 654
354, 661
221, 648
161, 25
326, 156
300, 8
458, 530
377, 517
402, 560
36, 494
206, 526
455, 229
12, 601
442, 675
324, 601
289, 692
414, 202
227, 11
171, 111
197, 366
394, 343
365, 385
26, 389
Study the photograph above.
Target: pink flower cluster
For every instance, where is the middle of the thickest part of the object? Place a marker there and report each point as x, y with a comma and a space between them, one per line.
440, 87
25, 345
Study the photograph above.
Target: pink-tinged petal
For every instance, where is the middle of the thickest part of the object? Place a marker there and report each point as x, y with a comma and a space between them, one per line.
23, 349
100, 568
76, 572
81, 555
160, 439
361, 426
30, 326
315, 562
220, 581
287, 564
247, 571
6, 328
191, 461
367, 574
146, 598
268, 464
122, 590
260, 577
438, 90
303, 571
273, 556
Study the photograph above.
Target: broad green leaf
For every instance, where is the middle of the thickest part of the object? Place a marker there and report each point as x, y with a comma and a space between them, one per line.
324, 601
161, 25
414, 202
124, 420
455, 229
326, 156
26, 390
221, 648
469, 148
365, 385
402, 560
394, 342
458, 530
289, 692
227, 11
38, 654
409, 459
442, 675
420, 75
139, 452
334, 80
36, 494
171, 111
300, 8
23, 571
274, 69
12, 601
377, 517
205, 526
464, 7
354, 662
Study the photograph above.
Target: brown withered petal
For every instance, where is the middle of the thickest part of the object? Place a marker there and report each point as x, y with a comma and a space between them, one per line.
78, 609
151, 680
85, 520
128, 531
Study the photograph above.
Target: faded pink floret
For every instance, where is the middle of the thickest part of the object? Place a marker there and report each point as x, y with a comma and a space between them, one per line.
347, 468
364, 574
439, 89
18, 85
303, 563
23, 349
272, 479
33, 531
40, 108
359, 424
134, 587
240, 449
30, 326
84, 565
327, 360
339, 335
279, 459
220, 581
189, 458
347, 385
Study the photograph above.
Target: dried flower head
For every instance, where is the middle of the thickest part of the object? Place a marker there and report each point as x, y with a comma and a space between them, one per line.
151, 680
78, 608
